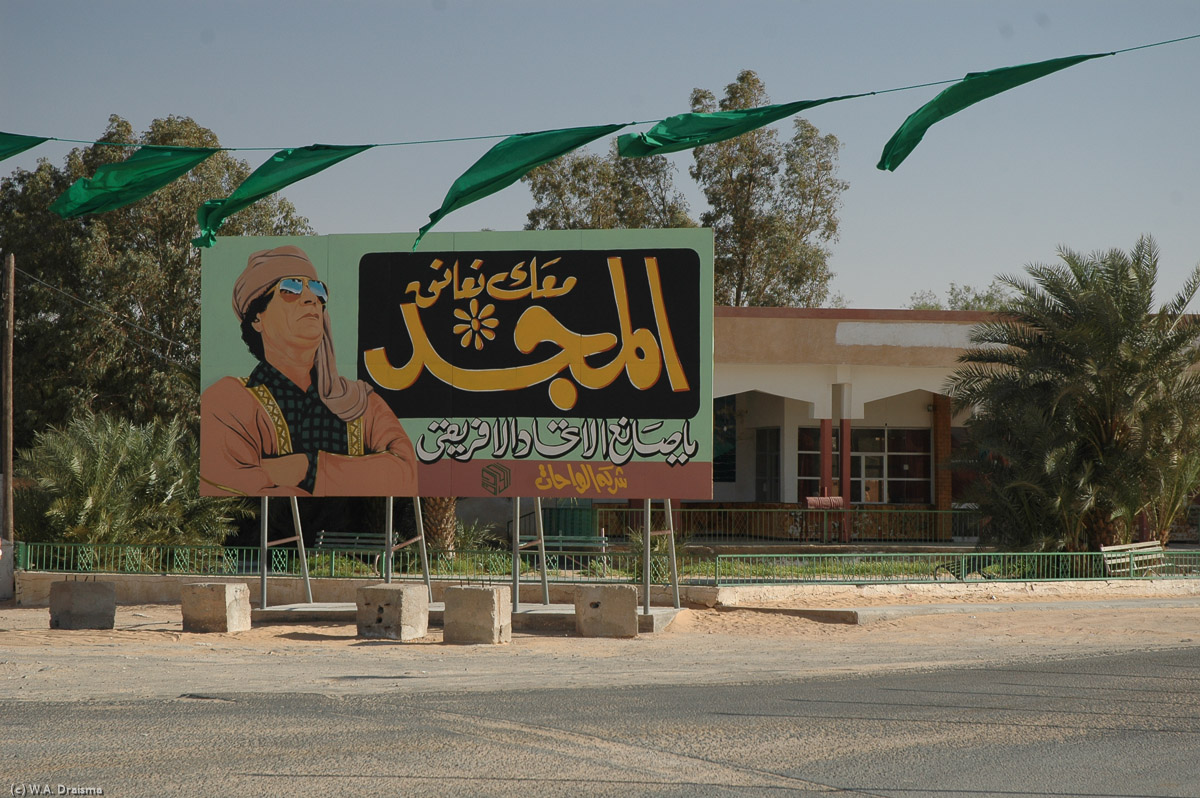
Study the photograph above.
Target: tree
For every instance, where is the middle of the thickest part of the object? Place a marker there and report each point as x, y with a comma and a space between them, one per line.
122, 337
1085, 402
772, 207
441, 521
584, 191
102, 480
962, 297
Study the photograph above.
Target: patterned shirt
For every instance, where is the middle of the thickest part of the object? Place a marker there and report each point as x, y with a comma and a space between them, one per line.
313, 426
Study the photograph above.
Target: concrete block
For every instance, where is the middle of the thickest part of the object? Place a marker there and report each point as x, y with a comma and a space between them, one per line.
393, 612
83, 605
476, 614
215, 607
606, 610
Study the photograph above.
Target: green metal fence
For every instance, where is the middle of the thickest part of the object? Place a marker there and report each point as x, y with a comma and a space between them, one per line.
747, 569
795, 525
596, 565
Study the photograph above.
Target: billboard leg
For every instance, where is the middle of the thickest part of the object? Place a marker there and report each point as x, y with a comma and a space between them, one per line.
387, 542
421, 545
516, 554
671, 552
646, 561
262, 553
541, 533
300, 548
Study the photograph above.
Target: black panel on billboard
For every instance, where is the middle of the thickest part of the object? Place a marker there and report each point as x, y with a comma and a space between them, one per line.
470, 314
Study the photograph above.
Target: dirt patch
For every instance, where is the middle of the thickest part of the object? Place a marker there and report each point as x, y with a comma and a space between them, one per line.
149, 655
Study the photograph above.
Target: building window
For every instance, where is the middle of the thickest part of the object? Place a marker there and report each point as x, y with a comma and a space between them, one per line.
962, 459
891, 466
808, 463
725, 439
766, 464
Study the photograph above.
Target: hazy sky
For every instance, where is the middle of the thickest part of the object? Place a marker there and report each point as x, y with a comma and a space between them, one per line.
1090, 158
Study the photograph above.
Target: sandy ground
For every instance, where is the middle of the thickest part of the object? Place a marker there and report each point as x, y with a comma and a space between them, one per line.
148, 655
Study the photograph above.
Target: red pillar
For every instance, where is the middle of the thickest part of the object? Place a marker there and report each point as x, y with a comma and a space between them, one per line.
844, 436
826, 456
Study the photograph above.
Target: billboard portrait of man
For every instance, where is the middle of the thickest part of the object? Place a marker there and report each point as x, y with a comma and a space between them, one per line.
294, 426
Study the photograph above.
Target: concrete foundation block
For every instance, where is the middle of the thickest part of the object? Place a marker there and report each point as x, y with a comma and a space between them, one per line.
215, 607
476, 614
393, 612
83, 605
606, 610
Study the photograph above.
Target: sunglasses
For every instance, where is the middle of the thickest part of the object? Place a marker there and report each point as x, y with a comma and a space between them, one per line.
290, 288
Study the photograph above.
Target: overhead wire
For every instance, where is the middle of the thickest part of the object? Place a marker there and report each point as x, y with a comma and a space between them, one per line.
489, 136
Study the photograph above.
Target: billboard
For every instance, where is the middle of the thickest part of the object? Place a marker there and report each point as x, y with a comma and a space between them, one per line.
539, 363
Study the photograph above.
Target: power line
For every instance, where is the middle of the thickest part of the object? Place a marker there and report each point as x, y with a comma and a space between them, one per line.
454, 139
118, 318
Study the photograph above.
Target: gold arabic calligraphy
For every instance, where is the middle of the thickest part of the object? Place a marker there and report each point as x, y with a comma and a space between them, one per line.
640, 355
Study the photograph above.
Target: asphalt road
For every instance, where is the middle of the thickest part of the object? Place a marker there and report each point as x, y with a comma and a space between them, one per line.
1125, 725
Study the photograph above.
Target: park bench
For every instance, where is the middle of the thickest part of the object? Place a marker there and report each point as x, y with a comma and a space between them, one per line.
361, 542
1135, 559
568, 543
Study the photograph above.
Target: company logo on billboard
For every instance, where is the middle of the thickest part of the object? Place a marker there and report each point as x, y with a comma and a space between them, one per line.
496, 478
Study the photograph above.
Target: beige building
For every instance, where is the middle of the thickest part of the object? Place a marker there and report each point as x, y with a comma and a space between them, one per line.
792, 386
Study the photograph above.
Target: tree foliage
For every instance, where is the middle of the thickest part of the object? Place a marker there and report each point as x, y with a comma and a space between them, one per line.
102, 480
772, 206
115, 326
1086, 403
962, 297
585, 191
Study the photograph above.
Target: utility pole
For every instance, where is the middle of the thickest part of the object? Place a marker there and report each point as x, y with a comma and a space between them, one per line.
7, 549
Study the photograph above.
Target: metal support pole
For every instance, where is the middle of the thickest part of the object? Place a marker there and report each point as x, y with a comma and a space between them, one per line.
388, 541
7, 536
516, 554
537, 511
421, 545
262, 553
671, 553
646, 562
300, 549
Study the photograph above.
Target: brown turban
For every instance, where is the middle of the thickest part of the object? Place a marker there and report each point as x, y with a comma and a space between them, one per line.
346, 399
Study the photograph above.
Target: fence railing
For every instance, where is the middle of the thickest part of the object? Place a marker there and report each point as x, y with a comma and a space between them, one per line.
772, 525
799, 525
747, 569
595, 565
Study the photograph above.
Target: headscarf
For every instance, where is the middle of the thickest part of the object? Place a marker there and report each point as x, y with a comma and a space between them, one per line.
346, 399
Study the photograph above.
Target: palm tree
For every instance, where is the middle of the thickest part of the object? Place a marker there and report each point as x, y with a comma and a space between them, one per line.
106, 480
1085, 401
441, 521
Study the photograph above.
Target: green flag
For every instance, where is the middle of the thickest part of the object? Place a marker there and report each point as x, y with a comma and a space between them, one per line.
685, 131
504, 164
974, 87
117, 184
13, 143
284, 168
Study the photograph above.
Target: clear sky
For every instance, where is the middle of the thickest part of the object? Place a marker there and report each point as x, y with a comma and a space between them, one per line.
1090, 158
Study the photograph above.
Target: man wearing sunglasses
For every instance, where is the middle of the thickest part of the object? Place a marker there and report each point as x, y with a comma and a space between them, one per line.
295, 427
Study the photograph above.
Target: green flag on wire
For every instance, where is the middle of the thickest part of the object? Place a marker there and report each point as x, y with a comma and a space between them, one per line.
974, 87
284, 168
13, 143
686, 131
117, 184
504, 164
